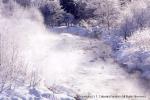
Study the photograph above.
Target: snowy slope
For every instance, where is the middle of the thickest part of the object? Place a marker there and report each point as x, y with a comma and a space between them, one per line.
85, 66
71, 65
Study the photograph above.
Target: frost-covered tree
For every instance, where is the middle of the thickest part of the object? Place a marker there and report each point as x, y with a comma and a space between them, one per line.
127, 27
24, 3
52, 12
78, 8
134, 18
123, 3
106, 13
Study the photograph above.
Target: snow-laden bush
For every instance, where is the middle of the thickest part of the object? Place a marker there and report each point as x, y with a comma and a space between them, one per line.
135, 53
134, 17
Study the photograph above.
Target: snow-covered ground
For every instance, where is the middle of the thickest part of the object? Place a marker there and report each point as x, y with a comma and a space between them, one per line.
71, 65
85, 66
26, 93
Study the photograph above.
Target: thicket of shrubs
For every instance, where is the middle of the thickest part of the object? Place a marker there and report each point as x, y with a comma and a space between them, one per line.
130, 41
